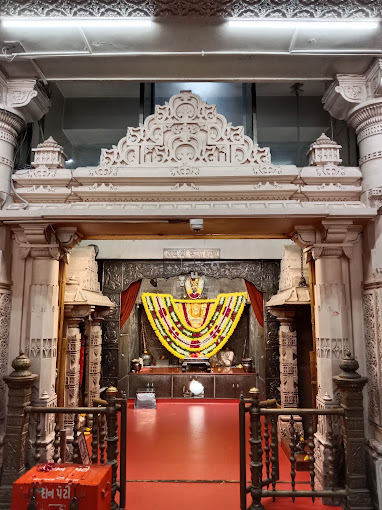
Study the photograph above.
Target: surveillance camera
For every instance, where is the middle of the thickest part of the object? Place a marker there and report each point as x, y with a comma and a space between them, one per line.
196, 225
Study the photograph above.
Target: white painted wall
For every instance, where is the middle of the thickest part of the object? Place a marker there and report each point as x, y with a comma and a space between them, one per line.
240, 249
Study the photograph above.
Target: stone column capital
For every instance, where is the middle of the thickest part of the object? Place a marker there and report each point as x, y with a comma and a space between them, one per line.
25, 98
284, 314
77, 313
335, 238
10, 126
43, 240
347, 91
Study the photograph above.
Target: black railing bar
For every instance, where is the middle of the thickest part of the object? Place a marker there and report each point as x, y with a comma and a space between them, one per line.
243, 455
339, 493
65, 410
285, 481
123, 447
303, 412
266, 481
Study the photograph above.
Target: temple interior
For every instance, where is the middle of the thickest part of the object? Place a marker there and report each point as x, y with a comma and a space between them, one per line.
190, 256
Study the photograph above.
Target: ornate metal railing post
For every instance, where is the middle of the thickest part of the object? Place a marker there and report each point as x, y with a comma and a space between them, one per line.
20, 383
350, 384
112, 440
256, 451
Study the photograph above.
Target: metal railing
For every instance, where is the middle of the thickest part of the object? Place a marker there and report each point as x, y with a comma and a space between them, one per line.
264, 452
264, 446
104, 432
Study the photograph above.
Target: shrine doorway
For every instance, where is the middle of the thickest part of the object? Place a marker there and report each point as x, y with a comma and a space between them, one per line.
221, 276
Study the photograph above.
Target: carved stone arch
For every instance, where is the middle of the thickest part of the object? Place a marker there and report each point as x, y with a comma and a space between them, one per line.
119, 274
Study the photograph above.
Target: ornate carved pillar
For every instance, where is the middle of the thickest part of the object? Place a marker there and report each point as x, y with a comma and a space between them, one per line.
332, 317
23, 101
5, 317
358, 100
93, 360
45, 246
72, 377
10, 127
288, 365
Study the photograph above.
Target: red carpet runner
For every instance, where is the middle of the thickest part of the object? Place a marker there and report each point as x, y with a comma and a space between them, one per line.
185, 456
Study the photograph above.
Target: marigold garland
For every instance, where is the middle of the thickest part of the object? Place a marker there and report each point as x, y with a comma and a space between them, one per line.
179, 337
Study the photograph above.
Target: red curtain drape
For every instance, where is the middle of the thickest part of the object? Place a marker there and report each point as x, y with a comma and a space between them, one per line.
256, 299
128, 298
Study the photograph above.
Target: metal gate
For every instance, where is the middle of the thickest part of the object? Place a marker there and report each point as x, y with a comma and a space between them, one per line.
344, 422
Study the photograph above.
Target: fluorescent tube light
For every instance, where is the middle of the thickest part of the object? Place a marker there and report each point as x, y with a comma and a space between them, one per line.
312, 24
19, 22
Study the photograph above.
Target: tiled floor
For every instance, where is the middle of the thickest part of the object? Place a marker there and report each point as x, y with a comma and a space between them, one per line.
172, 448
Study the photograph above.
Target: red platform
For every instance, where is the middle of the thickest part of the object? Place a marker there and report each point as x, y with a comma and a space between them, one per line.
56, 488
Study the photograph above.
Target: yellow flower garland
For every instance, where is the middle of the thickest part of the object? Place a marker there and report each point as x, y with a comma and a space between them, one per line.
153, 298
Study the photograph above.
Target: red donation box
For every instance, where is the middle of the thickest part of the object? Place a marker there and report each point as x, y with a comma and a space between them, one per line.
64, 487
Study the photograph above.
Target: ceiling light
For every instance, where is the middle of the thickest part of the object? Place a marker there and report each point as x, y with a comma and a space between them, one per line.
19, 22
311, 24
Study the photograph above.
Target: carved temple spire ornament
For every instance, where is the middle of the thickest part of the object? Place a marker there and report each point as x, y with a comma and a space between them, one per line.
49, 154
324, 151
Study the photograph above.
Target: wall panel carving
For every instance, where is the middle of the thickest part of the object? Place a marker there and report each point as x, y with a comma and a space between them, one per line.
373, 353
5, 317
118, 275
222, 8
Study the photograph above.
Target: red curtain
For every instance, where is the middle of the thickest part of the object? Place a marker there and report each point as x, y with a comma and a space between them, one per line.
128, 298
256, 299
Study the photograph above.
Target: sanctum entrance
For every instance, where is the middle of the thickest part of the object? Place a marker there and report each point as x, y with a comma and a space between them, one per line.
187, 164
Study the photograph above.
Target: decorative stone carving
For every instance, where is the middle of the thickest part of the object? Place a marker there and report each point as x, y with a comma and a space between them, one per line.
291, 291
83, 302
93, 368
324, 151
185, 130
357, 98
20, 383
330, 246
49, 154
23, 97
5, 317
184, 152
163, 8
373, 335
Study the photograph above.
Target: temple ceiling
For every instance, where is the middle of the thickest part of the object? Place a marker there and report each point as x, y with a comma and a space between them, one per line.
183, 8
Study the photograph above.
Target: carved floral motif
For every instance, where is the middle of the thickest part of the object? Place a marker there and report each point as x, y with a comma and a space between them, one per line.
223, 8
185, 130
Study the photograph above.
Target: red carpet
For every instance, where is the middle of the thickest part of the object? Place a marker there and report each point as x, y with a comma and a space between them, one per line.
184, 442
